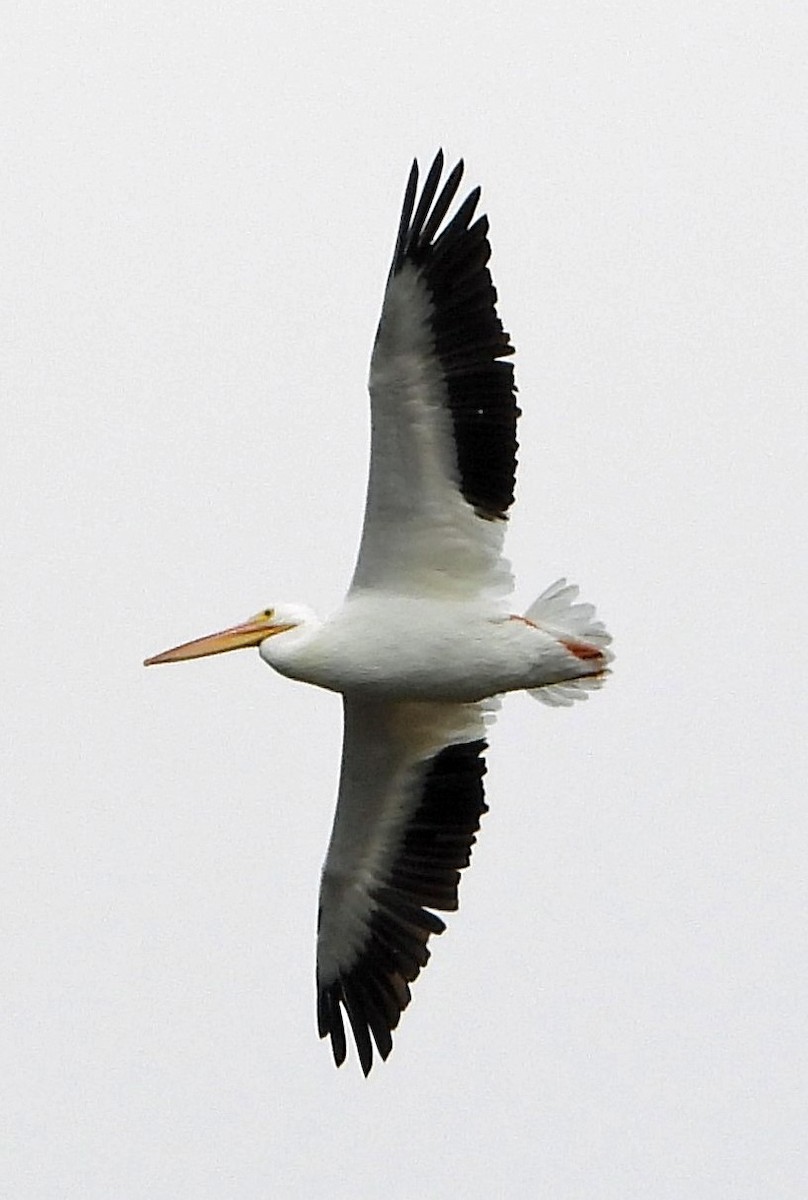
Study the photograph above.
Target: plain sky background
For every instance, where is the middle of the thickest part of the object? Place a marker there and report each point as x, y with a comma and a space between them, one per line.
199, 204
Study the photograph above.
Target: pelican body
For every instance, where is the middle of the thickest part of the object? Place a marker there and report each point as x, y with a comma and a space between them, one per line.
412, 649
425, 642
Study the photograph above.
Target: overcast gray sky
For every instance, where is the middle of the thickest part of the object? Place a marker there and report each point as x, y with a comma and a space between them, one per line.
199, 206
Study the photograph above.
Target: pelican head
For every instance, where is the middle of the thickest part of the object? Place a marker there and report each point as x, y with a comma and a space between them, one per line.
253, 632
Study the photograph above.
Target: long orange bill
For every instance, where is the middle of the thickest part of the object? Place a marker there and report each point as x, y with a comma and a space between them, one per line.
250, 633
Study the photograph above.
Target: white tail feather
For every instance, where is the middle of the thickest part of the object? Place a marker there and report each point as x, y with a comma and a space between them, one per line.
556, 612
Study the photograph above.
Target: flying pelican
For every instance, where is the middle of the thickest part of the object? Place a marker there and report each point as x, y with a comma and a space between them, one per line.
425, 642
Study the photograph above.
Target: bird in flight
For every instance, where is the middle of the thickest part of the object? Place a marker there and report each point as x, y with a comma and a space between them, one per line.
425, 641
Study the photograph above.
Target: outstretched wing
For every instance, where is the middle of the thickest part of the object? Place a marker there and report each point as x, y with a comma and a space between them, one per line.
409, 806
443, 408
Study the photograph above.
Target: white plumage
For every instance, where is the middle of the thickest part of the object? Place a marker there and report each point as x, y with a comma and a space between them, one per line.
425, 641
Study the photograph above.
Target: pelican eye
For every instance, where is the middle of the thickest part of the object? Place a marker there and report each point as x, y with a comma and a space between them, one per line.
269, 612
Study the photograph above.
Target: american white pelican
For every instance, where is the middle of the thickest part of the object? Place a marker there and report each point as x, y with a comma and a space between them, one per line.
425, 640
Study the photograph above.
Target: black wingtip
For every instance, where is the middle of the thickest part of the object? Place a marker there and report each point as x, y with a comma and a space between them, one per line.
360, 1029
330, 1023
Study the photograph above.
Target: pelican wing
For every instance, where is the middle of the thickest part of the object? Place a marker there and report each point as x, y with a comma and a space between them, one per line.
443, 409
409, 806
